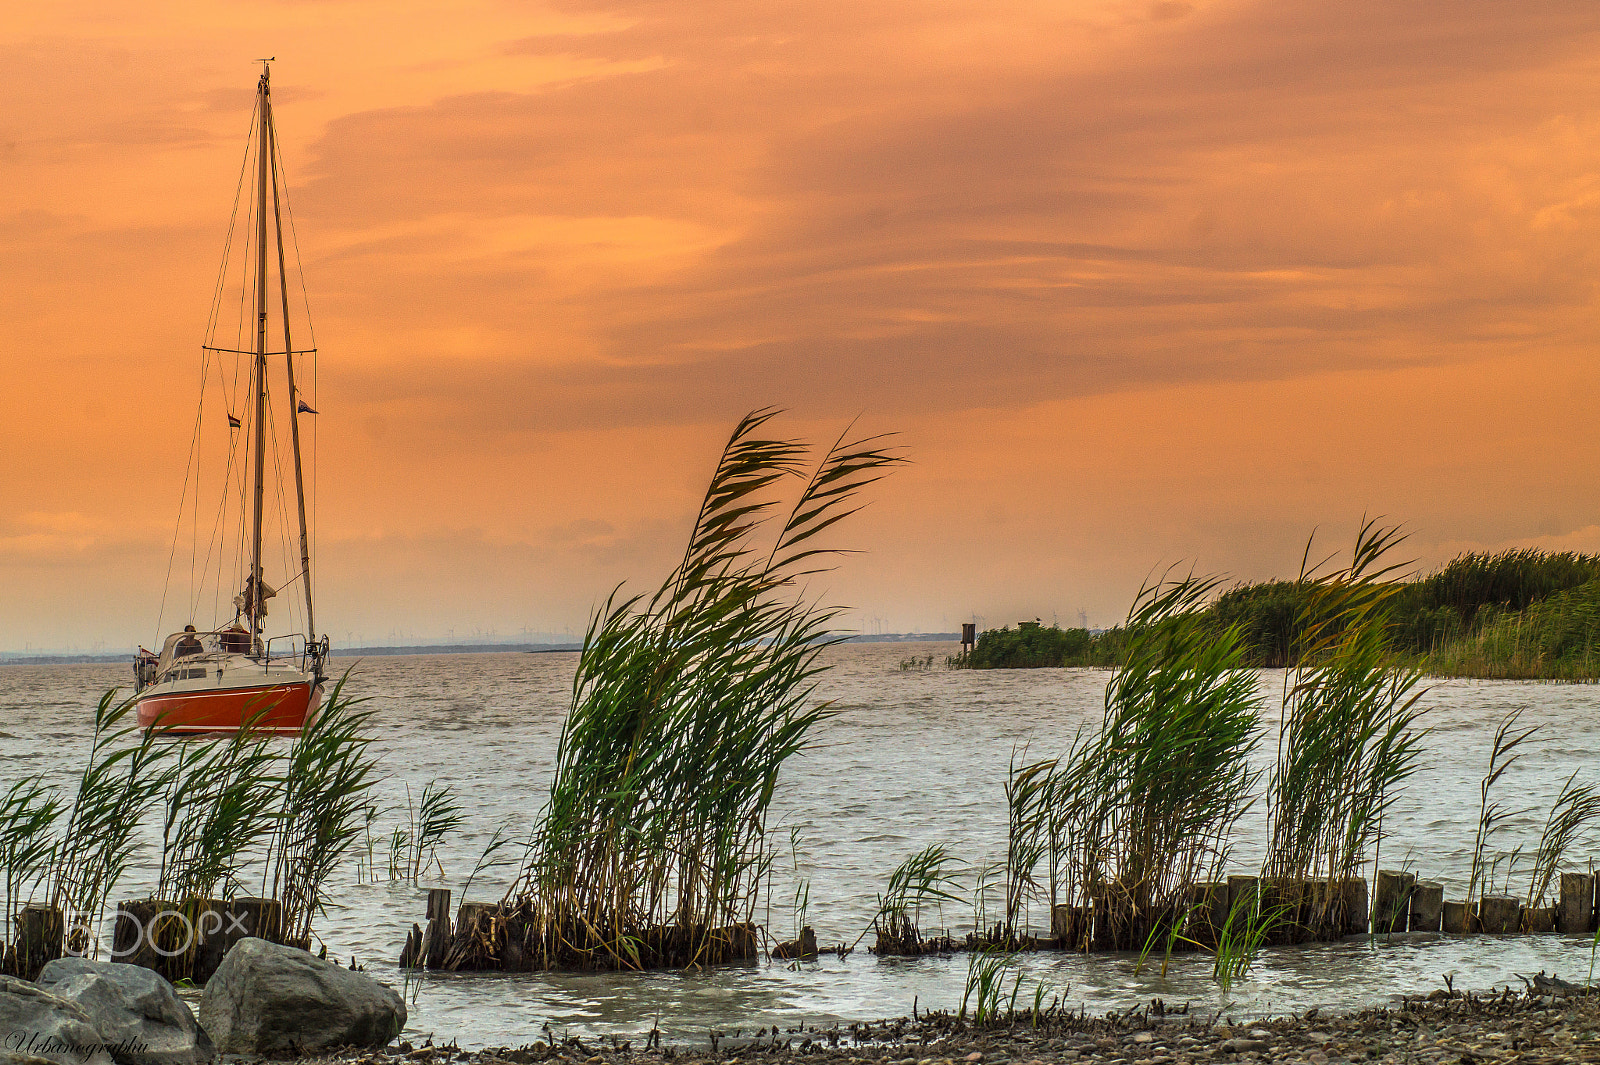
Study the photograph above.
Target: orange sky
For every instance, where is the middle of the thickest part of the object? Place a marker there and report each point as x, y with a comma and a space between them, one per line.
1137, 282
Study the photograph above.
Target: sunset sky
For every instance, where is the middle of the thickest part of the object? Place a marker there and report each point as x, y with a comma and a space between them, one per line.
1137, 283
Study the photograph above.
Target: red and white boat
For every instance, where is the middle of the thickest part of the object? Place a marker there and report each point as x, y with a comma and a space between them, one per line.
233, 676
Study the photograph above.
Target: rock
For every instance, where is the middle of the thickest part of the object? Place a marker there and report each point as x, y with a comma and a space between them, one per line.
266, 999
138, 1015
803, 946
37, 1024
1237, 1045
1260, 1033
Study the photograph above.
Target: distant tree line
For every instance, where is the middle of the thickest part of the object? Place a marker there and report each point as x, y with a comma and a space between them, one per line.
1518, 613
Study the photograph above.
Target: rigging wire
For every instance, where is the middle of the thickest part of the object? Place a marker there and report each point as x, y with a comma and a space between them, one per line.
190, 468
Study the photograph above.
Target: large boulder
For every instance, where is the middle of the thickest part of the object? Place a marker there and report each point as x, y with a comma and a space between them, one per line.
34, 1023
267, 999
139, 1017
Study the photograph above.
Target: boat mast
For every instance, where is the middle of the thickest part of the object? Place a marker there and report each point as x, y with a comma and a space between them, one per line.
253, 581
294, 393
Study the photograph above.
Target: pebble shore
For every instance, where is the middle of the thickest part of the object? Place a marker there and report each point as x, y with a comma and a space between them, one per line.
1526, 1028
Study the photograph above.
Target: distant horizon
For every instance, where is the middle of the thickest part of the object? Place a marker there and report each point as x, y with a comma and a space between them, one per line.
69, 656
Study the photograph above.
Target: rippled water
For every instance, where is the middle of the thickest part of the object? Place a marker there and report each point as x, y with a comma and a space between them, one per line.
912, 758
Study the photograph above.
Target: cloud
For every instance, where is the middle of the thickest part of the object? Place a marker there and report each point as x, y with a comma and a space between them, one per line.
1250, 192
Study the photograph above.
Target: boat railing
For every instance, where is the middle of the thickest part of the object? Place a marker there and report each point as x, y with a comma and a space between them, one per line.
310, 653
287, 648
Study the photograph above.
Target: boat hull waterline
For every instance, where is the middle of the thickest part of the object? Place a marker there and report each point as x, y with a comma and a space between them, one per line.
271, 709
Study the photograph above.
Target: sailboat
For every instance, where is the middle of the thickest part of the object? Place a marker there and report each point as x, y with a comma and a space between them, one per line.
231, 676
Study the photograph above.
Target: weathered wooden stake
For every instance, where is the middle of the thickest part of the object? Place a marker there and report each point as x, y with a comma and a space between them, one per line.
1427, 906
1391, 903
1244, 897
1577, 902
1539, 919
1355, 906
1456, 918
1209, 913
130, 932
41, 938
1500, 915
411, 953
438, 926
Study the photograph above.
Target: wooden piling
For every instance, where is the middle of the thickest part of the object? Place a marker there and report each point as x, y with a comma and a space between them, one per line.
1539, 919
41, 938
1391, 902
225, 922
130, 941
1244, 897
1576, 909
1069, 926
1208, 912
1355, 906
1427, 906
1456, 918
438, 926
1500, 915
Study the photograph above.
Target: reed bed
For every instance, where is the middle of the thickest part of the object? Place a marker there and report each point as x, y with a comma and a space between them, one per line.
652, 845
221, 804
29, 810
322, 812
1347, 741
125, 774
1135, 816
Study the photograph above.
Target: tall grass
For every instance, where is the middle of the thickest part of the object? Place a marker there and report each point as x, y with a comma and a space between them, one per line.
1503, 753
29, 810
221, 803
686, 704
931, 876
1576, 806
436, 816
322, 814
122, 777
1027, 789
1347, 738
1142, 811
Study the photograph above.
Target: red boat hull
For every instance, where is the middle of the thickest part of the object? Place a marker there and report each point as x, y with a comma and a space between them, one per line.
283, 709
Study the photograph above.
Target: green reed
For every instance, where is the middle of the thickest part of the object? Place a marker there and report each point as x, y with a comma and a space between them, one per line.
1575, 806
1027, 789
122, 777
1347, 738
652, 844
1503, 753
931, 876
221, 803
322, 811
29, 810
1151, 799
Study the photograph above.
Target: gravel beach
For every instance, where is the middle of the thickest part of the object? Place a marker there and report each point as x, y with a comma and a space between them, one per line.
1545, 1023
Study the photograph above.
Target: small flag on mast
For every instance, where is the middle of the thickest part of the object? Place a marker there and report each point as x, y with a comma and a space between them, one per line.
234, 423
304, 408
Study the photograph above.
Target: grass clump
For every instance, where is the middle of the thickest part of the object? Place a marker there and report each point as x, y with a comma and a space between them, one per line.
1346, 742
686, 704
122, 778
931, 876
1139, 813
1031, 645
322, 814
29, 810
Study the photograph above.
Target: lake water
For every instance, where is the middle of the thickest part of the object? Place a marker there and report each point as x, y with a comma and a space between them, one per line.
912, 758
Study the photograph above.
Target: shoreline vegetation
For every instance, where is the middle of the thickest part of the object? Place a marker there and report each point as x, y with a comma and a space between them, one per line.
1515, 615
